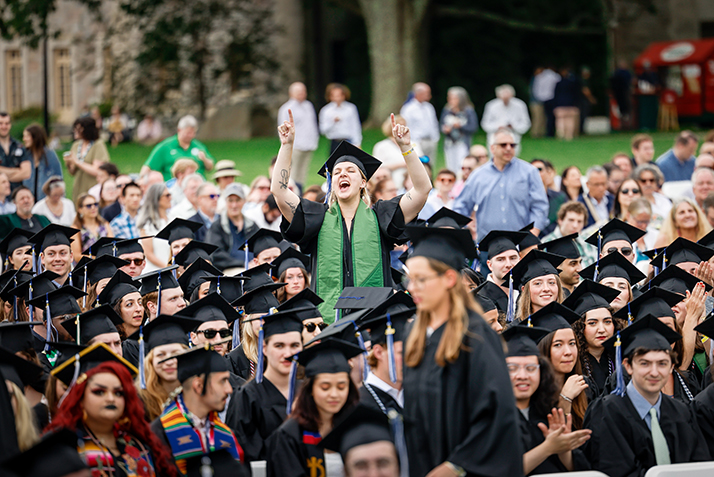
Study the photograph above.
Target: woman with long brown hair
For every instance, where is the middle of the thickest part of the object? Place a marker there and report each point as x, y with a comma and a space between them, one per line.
457, 392
91, 224
45, 163
537, 280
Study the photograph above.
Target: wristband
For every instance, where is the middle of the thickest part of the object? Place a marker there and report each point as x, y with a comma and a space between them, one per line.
460, 472
566, 398
405, 154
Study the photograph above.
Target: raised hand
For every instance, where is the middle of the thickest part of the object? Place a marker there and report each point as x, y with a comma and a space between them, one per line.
401, 135
574, 385
705, 272
695, 303
286, 131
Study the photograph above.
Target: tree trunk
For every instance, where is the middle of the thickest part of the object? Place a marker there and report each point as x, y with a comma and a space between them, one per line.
393, 27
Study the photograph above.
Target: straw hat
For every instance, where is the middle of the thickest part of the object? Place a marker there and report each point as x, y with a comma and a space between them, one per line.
226, 168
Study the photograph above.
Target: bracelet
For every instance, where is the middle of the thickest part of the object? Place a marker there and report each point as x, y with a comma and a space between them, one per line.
566, 398
405, 154
460, 472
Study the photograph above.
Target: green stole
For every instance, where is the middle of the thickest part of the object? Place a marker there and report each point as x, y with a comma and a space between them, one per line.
366, 256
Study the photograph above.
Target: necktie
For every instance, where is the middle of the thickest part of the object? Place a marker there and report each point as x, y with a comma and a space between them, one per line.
660, 443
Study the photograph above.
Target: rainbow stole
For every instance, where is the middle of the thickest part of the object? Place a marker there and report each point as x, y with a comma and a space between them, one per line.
185, 440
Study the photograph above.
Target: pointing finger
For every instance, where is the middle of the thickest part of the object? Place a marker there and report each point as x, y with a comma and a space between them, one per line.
394, 122
290, 114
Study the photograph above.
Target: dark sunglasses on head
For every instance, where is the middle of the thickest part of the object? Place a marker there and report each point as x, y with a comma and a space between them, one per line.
210, 334
627, 191
626, 251
310, 327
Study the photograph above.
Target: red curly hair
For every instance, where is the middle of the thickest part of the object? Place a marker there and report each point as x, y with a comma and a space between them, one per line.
72, 412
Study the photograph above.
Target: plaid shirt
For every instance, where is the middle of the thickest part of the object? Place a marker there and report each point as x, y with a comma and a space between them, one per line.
124, 226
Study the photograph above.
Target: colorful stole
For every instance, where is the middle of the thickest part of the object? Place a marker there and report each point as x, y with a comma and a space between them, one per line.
366, 255
135, 460
315, 457
186, 441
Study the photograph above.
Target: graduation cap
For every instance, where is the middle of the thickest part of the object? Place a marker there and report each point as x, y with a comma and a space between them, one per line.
615, 229
362, 298
220, 462
529, 240
86, 359
614, 265
55, 455
449, 246
552, 317
53, 234
196, 274
98, 248
258, 276
706, 327
290, 258
707, 240
193, 251
20, 371
486, 303
499, 241
118, 248
680, 251
346, 152
590, 295
17, 238
648, 332
259, 300
230, 288
445, 217
212, 307
564, 246
363, 425
165, 329
117, 288
535, 264
676, 280
91, 323
523, 340
263, 239
59, 302
65, 351
197, 361
345, 329
280, 322
100, 268
307, 299
179, 229
36, 286
157, 281
655, 301
17, 336
11, 279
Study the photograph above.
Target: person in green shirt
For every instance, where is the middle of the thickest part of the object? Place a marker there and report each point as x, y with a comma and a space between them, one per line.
182, 145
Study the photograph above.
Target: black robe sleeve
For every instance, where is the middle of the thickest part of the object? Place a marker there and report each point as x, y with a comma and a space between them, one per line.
286, 455
532, 437
240, 365
703, 409
391, 219
306, 223
130, 351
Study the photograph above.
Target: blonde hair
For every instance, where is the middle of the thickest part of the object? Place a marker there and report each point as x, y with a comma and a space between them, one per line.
25, 425
451, 342
154, 396
91, 297
363, 194
669, 227
183, 165
249, 340
525, 306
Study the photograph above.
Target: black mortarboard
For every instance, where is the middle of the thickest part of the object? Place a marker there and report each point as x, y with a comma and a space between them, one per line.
328, 356
282, 322
564, 246
55, 455
20, 371
230, 288
79, 272
486, 303
362, 298
400, 308
499, 241
124, 246
150, 281
193, 251
196, 274
445, 217
98, 248
676, 280
220, 461
200, 360
263, 239
53, 234
529, 240
344, 329
535, 264
707, 240
363, 425
41, 284
259, 300
96, 321
90, 357
706, 327
103, 267
449, 246
117, 288
615, 229
62, 301
258, 276
655, 301
614, 265
17, 336
648, 333
552, 317
290, 258
166, 329
15, 239
179, 229
680, 251
346, 152
11, 279
212, 307
590, 295
305, 299
523, 340
65, 350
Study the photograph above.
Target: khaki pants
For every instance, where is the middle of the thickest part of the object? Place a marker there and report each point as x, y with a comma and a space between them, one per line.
300, 164
567, 122
537, 120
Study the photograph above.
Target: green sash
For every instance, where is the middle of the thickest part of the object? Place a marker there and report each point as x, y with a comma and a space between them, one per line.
366, 256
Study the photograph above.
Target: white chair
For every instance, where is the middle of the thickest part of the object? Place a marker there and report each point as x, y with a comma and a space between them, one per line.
696, 469
584, 473
258, 468
676, 189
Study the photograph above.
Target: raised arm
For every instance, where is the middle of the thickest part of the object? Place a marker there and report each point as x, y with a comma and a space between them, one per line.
415, 198
285, 198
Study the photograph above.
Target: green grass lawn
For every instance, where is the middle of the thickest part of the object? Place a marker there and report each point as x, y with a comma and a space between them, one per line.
253, 157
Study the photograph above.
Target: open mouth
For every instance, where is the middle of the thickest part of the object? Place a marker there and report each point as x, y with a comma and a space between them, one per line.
344, 185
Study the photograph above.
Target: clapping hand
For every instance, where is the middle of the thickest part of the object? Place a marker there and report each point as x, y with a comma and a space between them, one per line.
558, 434
286, 131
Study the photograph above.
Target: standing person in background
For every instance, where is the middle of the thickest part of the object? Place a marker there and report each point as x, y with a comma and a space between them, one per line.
458, 123
182, 145
14, 159
6, 205
55, 206
420, 116
339, 119
92, 226
45, 163
542, 92
587, 98
677, 164
88, 152
124, 225
565, 101
621, 84
506, 111
152, 217
642, 148
308, 134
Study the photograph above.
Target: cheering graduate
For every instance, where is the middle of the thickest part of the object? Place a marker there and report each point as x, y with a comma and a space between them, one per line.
459, 409
502, 249
537, 279
326, 393
347, 226
639, 426
548, 442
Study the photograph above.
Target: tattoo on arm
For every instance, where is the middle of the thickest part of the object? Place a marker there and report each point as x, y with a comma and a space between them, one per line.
293, 207
284, 178
409, 195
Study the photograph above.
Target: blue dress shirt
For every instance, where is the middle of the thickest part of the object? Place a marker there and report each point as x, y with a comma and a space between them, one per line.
642, 405
674, 169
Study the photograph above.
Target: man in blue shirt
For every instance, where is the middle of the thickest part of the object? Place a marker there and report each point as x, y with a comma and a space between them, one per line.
677, 164
14, 158
507, 191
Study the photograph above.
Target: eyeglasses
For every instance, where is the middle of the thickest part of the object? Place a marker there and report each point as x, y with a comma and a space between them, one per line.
448, 180
310, 327
136, 261
647, 181
91, 206
626, 251
530, 368
212, 196
210, 334
506, 144
168, 194
540, 169
627, 191
419, 282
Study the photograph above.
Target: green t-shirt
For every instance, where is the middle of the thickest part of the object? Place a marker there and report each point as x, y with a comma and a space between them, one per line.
168, 151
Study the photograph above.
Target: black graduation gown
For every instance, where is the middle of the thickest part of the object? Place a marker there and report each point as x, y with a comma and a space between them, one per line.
259, 410
621, 443
683, 388
288, 455
240, 364
600, 370
307, 221
130, 350
465, 412
532, 437
703, 408
496, 294
383, 401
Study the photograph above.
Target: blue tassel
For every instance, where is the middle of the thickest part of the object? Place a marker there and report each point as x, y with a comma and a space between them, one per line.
259, 364
360, 340
142, 356
34, 263
236, 333
397, 426
620, 389
629, 315
114, 248
218, 285
599, 251
337, 315
291, 388
656, 272
511, 305
48, 321
329, 185
390, 350
530, 324
245, 256
31, 307
158, 298
84, 289
664, 259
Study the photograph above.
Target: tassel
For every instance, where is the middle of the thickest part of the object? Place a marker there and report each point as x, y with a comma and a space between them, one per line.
48, 321
389, 333
511, 305
530, 325
84, 289
337, 315
76, 322
259, 364
329, 185
245, 257
236, 333
14, 311
114, 248
31, 307
70, 279
599, 251
397, 425
291, 388
620, 389
34, 263
75, 377
360, 340
664, 259
218, 285
629, 315
158, 299
142, 356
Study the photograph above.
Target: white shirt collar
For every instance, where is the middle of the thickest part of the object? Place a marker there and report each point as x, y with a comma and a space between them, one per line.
397, 395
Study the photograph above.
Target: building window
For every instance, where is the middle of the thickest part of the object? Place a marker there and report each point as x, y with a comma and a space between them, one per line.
13, 68
62, 79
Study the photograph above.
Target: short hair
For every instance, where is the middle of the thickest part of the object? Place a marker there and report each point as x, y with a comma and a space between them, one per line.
187, 121
126, 186
639, 205
700, 170
53, 183
448, 172
331, 86
4, 114
572, 206
109, 168
640, 350
505, 88
637, 173
89, 128
191, 178
17, 191
270, 201
317, 190
203, 187
505, 130
609, 167
595, 170
708, 202
182, 165
685, 136
620, 154
638, 139
548, 165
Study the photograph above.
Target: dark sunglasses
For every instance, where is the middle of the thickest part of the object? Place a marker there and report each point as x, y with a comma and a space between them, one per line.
506, 144
627, 191
626, 251
137, 261
210, 334
212, 196
647, 181
310, 327
91, 206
